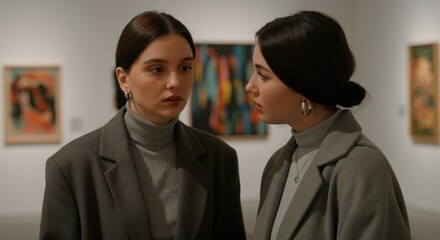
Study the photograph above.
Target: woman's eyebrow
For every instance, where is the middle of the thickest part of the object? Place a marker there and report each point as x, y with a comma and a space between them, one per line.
258, 66
158, 60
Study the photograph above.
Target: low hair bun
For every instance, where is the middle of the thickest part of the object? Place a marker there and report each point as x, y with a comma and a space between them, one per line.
351, 95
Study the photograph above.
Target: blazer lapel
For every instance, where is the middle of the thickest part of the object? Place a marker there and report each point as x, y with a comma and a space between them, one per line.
194, 184
122, 178
269, 206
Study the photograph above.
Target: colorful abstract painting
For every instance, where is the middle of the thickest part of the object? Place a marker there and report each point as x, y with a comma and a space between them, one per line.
32, 104
220, 104
424, 92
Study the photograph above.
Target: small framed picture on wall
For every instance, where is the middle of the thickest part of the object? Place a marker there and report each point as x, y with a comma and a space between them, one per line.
32, 104
423, 75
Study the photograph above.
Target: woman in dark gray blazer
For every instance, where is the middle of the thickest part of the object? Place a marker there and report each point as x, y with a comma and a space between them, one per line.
145, 174
329, 181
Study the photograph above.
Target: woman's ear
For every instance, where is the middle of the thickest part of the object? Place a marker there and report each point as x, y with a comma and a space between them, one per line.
122, 77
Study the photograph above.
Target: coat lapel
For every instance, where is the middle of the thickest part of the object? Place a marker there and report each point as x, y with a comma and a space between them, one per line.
194, 184
122, 178
269, 206
336, 144
306, 192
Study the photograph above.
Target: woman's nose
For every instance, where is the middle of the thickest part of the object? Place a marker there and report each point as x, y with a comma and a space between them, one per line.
250, 87
173, 81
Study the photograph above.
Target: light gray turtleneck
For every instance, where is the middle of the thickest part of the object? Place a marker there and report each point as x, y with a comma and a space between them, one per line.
154, 145
308, 145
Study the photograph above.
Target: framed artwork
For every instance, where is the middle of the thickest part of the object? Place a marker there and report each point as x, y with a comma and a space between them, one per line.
220, 104
32, 104
423, 72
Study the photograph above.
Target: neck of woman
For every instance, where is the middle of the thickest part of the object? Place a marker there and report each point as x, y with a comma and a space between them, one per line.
318, 115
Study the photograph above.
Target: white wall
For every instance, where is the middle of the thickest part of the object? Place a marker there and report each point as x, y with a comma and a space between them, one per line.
383, 32
81, 37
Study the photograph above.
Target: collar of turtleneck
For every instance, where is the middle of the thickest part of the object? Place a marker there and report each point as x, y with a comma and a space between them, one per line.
313, 137
148, 134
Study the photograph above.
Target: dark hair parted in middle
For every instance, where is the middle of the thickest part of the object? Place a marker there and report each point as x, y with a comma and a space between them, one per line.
309, 52
142, 30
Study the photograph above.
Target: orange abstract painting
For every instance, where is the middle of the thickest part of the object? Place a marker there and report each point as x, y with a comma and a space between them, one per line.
424, 92
32, 104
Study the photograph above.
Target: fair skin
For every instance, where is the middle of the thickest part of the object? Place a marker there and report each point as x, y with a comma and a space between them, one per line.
160, 80
277, 103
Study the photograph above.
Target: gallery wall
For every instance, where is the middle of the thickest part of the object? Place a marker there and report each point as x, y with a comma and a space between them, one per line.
384, 31
80, 37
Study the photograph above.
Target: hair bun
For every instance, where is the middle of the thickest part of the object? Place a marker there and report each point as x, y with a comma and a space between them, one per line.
351, 95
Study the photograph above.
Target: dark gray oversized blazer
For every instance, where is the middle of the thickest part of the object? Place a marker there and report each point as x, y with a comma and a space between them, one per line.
349, 192
93, 192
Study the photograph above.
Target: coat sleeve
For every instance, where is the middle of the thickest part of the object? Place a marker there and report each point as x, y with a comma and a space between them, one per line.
368, 198
233, 218
59, 218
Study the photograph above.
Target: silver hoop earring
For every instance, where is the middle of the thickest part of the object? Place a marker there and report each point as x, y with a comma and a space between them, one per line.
306, 112
127, 95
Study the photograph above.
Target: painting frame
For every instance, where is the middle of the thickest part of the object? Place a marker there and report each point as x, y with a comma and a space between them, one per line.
219, 103
32, 104
424, 93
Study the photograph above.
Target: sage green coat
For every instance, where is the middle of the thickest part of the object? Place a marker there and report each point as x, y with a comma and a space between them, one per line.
349, 192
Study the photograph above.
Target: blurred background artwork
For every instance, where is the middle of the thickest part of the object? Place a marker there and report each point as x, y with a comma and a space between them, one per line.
220, 104
32, 104
423, 60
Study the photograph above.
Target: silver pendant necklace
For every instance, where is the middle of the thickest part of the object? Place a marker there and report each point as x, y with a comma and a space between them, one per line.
296, 179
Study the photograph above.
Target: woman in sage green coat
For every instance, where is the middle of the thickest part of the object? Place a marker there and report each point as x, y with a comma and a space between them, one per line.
329, 181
